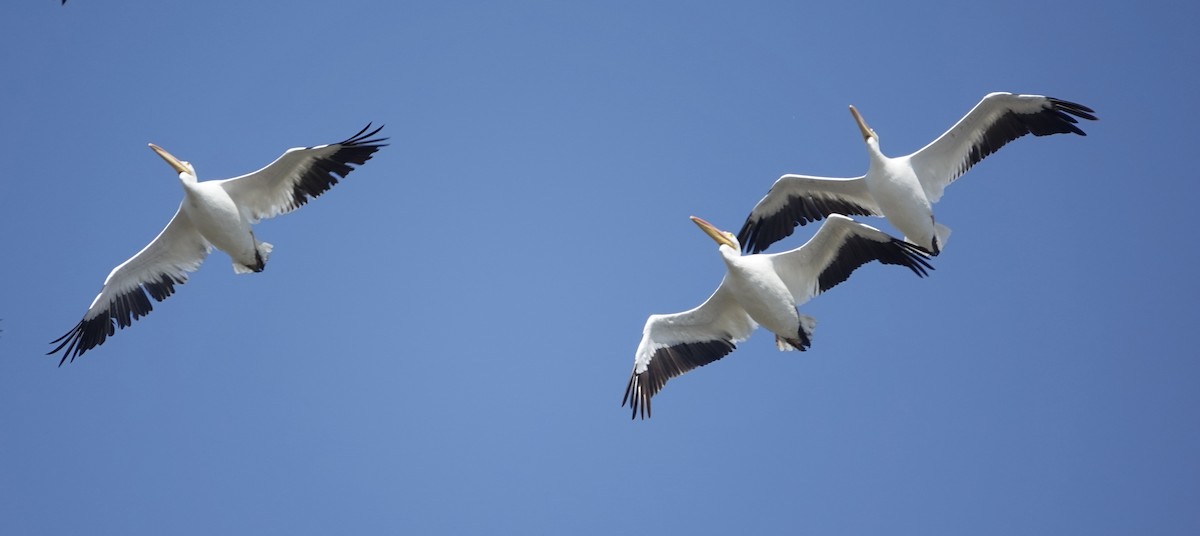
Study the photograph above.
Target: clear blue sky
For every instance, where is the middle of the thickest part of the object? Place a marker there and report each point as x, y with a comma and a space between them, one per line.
440, 343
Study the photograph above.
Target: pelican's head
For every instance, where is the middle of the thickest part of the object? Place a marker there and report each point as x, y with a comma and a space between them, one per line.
722, 238
178, 165
867, 133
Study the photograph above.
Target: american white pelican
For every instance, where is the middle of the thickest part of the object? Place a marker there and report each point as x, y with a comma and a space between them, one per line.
758, 290
213, 214
902, 189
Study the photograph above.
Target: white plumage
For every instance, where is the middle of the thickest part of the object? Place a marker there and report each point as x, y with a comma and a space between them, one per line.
758, 290
213, 214
902, 189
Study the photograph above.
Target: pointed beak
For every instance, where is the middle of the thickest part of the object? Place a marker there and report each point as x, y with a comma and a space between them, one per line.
714, 233
174, 162
862, 125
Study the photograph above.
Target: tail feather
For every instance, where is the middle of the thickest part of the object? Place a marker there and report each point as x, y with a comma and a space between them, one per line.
264, 251
261, 253
941, 234
803, 339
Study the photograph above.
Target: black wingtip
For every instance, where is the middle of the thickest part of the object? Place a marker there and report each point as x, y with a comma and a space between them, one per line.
916, 256
669, 362
122, 310
635, 395
1074, 108
363, 137
70, 341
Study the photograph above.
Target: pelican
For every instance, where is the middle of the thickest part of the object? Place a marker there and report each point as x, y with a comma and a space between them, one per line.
218, 214
902, 189
763, 289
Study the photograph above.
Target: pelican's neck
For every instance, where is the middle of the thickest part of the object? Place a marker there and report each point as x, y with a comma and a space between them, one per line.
873, 153
188, 179
730, 255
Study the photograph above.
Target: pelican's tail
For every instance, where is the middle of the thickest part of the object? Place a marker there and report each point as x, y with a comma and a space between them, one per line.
261, 253
941, 234
803, 338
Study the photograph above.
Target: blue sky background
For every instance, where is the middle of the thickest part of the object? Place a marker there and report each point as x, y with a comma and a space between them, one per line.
440, 343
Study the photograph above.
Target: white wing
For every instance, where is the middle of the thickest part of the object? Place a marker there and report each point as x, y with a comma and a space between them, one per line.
676, 343
798, 199
298, 175
998, 119
838, 248
156, 269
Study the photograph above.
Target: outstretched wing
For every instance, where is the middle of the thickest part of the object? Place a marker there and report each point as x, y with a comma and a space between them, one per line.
839, 248
798, 199
156, 269
676, 343
998, 119
300, 174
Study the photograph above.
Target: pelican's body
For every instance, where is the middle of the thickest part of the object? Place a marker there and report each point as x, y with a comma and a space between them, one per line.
903, 189
217, 214
897, 192
758, 290
217, 218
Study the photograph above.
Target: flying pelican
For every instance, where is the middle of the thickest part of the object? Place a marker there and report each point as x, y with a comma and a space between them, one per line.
213, 214
757, 290
902, 189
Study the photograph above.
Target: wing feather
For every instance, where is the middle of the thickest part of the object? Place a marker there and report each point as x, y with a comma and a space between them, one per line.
676, 343
997, 120
299, 175
838, 248
795, 200
155, 270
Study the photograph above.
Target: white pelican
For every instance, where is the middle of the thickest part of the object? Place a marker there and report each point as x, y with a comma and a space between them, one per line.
213, 214
757, 290
902, 189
